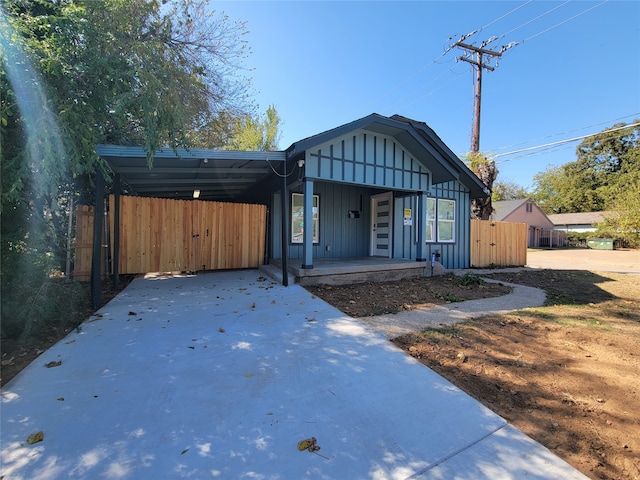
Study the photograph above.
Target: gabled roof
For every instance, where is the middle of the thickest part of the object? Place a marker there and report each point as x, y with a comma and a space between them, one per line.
582, 218
503, 208
420, 140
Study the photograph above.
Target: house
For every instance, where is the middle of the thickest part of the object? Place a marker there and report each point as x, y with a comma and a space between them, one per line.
381, 188
540, 227
579, 222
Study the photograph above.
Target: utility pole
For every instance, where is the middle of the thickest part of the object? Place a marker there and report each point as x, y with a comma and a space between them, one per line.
476, 56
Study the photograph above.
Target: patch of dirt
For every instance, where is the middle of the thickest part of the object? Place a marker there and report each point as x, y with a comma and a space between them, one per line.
16, 354
367, 299
566, 374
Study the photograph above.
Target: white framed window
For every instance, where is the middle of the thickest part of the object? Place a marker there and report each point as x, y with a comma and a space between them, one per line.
441, 220
297, 218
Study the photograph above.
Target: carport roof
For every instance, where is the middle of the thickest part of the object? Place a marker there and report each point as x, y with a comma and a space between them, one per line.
220, 175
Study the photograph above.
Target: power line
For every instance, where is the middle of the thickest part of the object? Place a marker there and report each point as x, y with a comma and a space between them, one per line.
534, 19
565, 21
608, 122
560, 142
445, 51
505, 15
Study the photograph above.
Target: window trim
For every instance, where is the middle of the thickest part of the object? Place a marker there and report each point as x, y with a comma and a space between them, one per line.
434, 222
315, 220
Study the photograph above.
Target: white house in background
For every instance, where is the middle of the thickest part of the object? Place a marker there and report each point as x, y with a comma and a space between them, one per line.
541, 228
578, 222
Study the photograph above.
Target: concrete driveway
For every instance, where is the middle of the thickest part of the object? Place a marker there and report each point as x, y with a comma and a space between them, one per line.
620, 261
220, 375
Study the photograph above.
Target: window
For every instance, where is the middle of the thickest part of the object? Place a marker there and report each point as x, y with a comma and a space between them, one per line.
431, 220
529, 207
297, 218
441, 220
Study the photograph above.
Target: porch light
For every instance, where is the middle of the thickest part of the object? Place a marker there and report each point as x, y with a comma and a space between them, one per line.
196, 193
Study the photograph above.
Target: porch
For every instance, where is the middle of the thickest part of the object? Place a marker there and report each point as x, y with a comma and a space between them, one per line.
342, 271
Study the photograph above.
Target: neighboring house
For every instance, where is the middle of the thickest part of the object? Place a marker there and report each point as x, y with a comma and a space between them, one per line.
527, 211
379, 186
578, 222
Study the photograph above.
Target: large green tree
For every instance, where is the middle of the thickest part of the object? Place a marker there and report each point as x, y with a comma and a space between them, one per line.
75, 73
507, 190
604, 164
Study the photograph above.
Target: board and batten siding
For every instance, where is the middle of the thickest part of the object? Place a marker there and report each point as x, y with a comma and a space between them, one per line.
366, 158
345, 237
452, 255
348, 237
456, 254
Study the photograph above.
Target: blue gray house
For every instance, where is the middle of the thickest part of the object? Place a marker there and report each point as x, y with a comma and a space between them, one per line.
379, 190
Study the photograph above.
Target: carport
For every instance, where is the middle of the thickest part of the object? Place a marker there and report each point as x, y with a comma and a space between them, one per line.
203, 174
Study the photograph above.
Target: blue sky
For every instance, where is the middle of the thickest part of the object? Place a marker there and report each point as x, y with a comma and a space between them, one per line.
575, 71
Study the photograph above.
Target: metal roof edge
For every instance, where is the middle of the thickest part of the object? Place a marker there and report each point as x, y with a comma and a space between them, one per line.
107, 150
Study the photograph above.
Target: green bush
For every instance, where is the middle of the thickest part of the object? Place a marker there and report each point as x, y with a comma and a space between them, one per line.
469, 279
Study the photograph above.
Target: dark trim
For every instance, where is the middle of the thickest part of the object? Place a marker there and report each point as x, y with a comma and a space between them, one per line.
96, 255
116, 231
307, 267
285, 222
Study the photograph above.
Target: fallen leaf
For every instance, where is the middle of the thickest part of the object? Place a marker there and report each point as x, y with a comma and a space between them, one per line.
70, 341
35, 438
184, 451
8, 362
60, 399
132, 313
221, 330
191, 347
311, 320
53, 364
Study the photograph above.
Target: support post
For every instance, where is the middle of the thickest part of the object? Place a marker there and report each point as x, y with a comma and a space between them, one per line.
96, 256
285, 223
116, 232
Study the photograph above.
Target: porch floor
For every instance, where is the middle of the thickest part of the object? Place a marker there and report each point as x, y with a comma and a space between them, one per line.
340, 271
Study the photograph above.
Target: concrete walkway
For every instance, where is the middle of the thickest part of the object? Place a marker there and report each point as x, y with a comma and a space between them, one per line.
394, 325
220, 375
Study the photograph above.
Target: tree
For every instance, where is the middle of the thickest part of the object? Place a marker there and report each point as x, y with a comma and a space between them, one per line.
507, 190
261, 133
487, 172
76, 73
592, 182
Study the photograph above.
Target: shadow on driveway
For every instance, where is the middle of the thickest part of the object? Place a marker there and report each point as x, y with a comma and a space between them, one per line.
220, 375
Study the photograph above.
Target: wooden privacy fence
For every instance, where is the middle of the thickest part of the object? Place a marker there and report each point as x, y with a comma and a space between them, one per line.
162, 235
498, 244
83, 242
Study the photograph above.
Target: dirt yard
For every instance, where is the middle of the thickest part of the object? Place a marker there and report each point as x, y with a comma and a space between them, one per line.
567, 374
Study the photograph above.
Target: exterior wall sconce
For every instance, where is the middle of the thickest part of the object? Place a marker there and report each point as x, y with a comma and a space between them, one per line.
196, 193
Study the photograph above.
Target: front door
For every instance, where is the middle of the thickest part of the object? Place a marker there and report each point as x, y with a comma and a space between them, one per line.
381, 224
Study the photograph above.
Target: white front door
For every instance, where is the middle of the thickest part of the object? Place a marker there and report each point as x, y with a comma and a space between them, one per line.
381, 224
